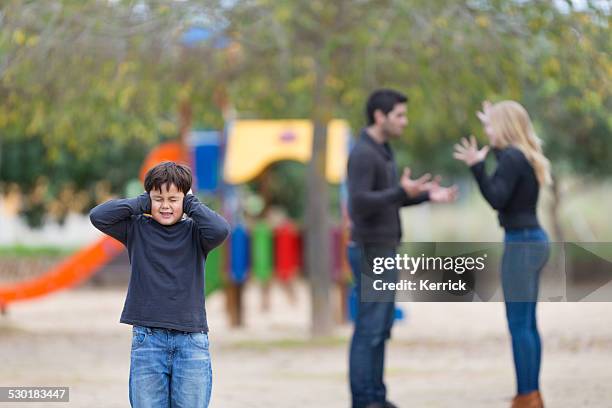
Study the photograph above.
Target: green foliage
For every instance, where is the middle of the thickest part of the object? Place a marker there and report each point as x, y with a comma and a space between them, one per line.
282, 185
69, 180
86, 88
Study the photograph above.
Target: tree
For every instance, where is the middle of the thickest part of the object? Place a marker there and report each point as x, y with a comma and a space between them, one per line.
83, 80
80, 76
320, 59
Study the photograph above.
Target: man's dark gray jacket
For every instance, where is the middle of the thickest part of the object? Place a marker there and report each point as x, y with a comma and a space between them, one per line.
375, 195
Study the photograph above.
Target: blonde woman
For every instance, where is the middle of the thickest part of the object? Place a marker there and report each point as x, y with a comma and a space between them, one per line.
513, 190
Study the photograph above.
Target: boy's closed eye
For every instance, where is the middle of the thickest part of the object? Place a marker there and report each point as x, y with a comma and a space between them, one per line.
167, 205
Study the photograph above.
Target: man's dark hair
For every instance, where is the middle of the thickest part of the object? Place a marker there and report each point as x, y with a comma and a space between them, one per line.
383, 100
168, 173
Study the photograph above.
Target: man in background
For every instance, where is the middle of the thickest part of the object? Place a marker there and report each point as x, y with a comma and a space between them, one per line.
376, 194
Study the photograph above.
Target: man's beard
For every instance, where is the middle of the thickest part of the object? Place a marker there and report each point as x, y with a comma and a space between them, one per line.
388, 133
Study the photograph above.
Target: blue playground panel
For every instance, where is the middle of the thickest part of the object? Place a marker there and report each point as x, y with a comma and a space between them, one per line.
239, 255
206, 159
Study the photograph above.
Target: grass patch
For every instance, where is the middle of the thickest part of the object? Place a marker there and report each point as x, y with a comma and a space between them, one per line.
24, 251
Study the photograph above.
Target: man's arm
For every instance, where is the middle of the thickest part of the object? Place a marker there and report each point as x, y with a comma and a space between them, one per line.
365, 200
212, 228
417, 191
435, 193
112, 217
416, 200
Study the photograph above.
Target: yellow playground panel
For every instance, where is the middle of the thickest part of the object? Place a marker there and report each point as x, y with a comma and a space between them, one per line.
252, 145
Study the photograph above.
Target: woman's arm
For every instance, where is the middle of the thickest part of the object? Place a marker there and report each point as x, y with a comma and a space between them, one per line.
498, 188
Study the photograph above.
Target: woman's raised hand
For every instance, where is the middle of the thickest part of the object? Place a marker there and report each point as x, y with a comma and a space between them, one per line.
484, 114
468, 151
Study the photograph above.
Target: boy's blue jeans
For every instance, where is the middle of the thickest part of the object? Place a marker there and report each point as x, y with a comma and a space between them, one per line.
525, 254
169, 369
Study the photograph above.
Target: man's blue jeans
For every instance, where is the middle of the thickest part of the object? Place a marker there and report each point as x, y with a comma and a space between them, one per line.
169, 369
373, 323
526, 251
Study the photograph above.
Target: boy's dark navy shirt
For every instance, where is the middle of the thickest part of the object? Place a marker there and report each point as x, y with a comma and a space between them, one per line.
166, 286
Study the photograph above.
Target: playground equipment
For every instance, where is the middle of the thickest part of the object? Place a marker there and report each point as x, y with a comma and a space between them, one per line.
262, 252
84, 263
254, 144
72, 271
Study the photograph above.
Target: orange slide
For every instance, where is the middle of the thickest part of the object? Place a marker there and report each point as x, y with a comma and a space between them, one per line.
87, 261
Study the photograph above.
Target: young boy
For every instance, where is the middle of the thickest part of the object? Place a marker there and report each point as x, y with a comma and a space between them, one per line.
170, 363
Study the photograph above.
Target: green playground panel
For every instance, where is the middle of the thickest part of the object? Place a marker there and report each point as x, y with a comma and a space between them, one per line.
214, 278
262, 251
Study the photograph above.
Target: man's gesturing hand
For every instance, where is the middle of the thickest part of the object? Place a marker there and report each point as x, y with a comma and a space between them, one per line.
439, 194
414, 187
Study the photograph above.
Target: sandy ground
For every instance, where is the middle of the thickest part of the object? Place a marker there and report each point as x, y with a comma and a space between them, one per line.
441, 355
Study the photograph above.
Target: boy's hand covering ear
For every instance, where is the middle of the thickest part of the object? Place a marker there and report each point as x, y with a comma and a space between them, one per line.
145, 203
188, 202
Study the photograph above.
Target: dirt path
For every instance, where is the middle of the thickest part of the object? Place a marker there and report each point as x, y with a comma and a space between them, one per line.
442, 355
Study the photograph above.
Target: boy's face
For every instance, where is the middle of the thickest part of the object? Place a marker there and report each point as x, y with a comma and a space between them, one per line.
167, 204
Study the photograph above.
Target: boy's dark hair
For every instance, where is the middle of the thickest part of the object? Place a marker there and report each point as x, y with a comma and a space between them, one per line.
168, 173
383, 100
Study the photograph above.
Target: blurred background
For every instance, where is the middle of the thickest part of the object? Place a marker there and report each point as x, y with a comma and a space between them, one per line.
263, 99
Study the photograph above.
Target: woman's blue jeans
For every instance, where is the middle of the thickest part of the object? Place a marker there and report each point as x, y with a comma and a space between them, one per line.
526, 251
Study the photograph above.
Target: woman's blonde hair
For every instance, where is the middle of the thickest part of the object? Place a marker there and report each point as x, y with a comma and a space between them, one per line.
512, 126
